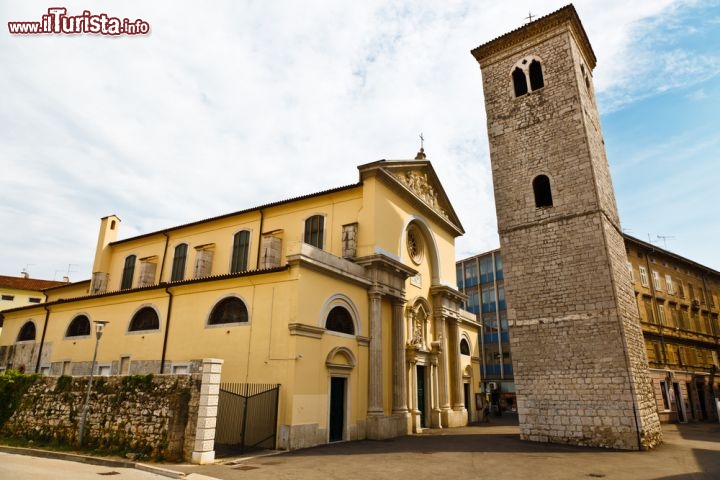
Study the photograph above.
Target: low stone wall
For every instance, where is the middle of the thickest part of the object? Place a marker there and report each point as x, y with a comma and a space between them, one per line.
154, 416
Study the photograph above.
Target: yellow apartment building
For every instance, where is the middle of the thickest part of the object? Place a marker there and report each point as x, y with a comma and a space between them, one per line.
23, 290
678, 303
346, 298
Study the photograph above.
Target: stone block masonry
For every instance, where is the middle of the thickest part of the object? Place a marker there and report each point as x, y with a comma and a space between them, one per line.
579, 360
154, 416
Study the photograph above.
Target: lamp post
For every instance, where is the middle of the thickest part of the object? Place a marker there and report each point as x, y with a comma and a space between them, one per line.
99, 326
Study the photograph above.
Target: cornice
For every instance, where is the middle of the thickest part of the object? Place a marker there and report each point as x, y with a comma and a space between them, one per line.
566, 15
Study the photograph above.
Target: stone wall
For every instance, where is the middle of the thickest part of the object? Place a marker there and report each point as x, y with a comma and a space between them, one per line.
154, 416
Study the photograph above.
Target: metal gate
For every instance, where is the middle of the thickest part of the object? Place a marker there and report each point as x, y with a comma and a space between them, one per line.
246, 418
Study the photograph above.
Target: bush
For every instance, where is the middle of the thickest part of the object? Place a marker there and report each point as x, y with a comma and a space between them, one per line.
13, 386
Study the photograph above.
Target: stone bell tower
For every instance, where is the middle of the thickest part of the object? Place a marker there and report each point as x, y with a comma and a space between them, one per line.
581, 370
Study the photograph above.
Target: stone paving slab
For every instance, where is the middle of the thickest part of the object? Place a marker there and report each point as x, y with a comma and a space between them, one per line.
492, 451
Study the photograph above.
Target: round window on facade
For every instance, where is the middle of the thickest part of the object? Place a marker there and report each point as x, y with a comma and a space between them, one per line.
415, 245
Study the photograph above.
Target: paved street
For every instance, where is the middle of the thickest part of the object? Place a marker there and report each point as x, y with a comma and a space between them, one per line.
491, 451
24, 467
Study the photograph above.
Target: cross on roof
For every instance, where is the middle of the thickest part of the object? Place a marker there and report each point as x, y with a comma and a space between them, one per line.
530, 17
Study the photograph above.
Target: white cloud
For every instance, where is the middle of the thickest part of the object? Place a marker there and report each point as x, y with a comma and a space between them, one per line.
229, 105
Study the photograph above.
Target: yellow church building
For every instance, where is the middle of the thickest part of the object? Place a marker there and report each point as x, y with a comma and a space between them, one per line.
346, 298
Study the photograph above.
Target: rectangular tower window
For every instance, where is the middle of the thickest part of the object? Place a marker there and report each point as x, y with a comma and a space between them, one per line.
630, 271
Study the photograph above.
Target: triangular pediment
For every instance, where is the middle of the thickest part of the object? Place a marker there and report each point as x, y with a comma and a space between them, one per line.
417, 179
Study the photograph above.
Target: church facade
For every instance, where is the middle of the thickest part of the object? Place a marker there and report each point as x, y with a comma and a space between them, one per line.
346, 298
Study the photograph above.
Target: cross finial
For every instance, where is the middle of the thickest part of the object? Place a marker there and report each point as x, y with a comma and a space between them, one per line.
530, 17
421, 154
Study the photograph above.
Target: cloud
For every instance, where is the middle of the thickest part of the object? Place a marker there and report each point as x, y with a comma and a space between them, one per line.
229, 105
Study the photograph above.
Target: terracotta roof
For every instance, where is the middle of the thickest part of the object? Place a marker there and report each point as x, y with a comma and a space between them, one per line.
240, 212
22, 283
161, 285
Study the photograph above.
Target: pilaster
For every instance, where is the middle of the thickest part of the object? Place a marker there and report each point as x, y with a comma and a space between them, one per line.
204, 449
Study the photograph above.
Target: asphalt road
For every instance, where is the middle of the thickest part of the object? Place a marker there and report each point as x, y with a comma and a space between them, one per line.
24, 467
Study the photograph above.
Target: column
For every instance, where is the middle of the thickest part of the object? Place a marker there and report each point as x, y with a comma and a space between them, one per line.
204, 447
375, 394
399, 398
435, 418
455, 373
443, 390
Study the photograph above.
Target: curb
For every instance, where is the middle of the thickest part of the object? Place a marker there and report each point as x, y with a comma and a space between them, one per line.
104, 462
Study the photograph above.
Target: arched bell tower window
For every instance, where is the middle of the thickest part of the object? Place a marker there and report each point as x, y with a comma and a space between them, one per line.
528, 68
519, 82
536, 76
541, 189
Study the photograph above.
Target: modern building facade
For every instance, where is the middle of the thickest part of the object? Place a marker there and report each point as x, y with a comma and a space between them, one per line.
481, 279
679, 304
346, 298
580, 365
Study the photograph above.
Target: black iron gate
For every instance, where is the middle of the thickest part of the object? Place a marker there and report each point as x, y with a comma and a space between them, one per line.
246, 418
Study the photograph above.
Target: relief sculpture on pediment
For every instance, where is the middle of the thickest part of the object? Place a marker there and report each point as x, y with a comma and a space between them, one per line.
418, 184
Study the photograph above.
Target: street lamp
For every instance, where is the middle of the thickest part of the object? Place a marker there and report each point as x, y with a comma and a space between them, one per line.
99, 326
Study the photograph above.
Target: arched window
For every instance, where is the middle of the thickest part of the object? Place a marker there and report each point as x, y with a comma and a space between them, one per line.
543, 194
178, 268
314, 229
464, 347
128, 272
228, 310
80, 326
340, 320
536, 76
519, 82
241, 248
27, 332
145, 319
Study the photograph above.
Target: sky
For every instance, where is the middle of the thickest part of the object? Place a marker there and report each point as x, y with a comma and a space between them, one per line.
227, 105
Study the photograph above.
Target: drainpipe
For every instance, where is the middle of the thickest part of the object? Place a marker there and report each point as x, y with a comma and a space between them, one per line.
162, 263
42, 338
167, 330
259, 245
